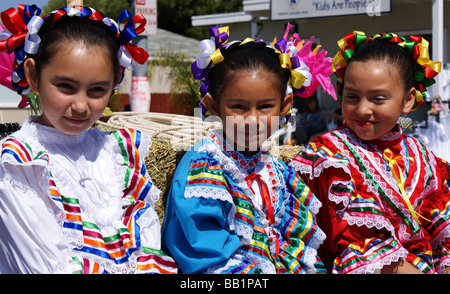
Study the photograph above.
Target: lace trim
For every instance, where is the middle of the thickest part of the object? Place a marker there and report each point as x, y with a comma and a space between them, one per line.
361, 150
145, 220
75, 239
379, 264
442, 266
237, 172
144, 147
50, 135
392, 136
236, 259
440, 238
208, 193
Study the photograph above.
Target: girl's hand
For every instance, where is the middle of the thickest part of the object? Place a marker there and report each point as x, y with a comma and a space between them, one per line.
401, 267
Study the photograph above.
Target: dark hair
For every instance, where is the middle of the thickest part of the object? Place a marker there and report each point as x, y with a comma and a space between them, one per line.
391, 53
248, 56
79, 29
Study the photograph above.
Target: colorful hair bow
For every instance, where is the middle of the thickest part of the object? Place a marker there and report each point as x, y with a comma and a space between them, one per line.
417, 48
20, 39
209, 56
309, 68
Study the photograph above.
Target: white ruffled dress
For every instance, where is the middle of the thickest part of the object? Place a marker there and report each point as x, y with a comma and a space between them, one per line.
78, 204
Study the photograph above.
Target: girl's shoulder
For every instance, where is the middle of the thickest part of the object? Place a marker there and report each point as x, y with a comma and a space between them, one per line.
22, 147
201, 154
328, 144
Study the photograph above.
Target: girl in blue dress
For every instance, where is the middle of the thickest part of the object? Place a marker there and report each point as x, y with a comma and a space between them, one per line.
233, 207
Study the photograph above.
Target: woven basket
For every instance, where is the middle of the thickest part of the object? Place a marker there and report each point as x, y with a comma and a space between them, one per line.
172, 136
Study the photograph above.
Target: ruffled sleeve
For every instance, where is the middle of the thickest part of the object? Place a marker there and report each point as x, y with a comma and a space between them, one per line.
196, 229
300, 236
364, 247
31, 239
436, 209
139, 195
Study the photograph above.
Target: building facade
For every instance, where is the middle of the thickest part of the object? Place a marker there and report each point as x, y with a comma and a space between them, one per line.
404, 17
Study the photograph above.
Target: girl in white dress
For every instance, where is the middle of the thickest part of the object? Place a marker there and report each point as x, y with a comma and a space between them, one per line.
74, 199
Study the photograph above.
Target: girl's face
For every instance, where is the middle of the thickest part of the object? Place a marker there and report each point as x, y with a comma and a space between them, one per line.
74, 87
250, 107
374, 98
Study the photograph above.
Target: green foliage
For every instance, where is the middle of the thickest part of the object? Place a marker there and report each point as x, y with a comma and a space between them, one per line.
175, 15
184, 88
110, 8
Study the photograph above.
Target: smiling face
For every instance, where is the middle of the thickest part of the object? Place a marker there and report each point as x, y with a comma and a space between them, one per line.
250, 107
374, 97
74, 87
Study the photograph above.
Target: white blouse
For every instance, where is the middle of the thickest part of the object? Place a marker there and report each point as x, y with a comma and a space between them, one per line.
82, 203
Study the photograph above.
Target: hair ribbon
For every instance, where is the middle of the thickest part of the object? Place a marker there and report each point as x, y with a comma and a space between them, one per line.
300, 72
349, 44
209, 52
20, 37
16, 23
417, 48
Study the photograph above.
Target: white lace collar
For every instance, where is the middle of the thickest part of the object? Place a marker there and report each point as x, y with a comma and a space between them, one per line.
49, 135
248, 162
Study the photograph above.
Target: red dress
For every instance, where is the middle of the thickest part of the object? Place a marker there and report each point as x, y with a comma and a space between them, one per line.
363, 186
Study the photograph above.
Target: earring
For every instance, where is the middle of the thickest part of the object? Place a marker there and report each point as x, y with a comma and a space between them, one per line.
404, 122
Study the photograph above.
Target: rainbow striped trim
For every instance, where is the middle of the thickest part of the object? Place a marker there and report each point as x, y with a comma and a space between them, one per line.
116, 249
295, 232
358, 257
367, 207
22, 152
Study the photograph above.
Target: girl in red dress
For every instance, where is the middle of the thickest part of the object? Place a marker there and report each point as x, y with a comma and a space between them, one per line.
385, 198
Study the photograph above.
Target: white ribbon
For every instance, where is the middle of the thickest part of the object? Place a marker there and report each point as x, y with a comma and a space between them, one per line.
5, 34
125, 58
304, 70
207, 47
107, 21
32, 40
15, 77
73, 11
291, 50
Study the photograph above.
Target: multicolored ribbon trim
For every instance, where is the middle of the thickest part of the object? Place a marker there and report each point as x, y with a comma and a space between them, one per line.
209, 56
20, 38
417, 48
398, 176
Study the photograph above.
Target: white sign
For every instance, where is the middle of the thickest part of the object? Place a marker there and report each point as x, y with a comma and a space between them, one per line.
294, 9
140, 94
149, 10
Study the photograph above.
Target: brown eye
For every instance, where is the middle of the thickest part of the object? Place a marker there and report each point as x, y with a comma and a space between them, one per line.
66, 88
